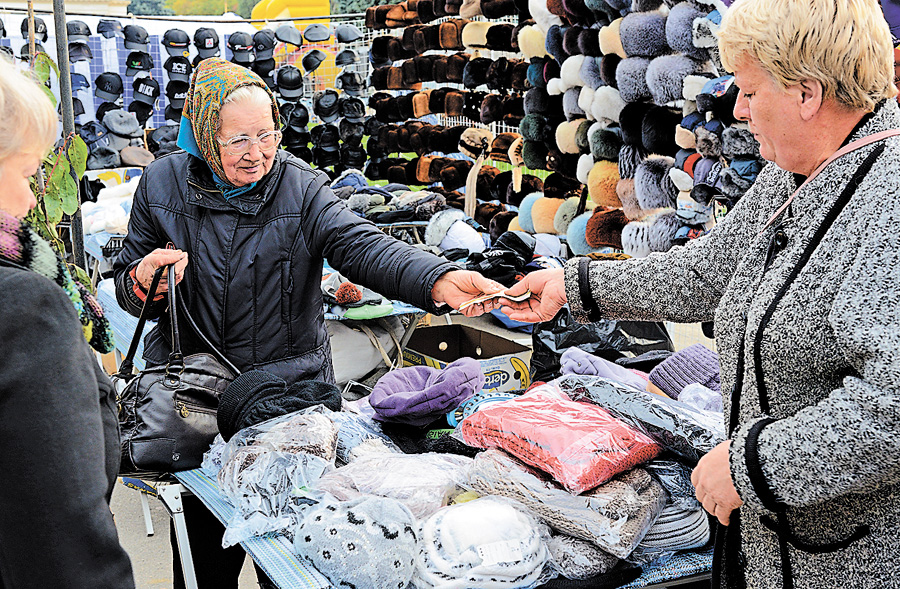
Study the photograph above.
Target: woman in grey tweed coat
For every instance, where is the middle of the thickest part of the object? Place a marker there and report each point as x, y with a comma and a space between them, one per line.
806, 302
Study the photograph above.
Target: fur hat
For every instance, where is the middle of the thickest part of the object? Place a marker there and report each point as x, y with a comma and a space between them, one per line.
655, 233
454, 102
631, 79
474, 141
610, 39
530, 184
537, 101
586, 100
500, 186
585, 163
543, 18
486, 211
543, 212
475, 72
456, 65
606, 143
658, 130
570, 104
440, 223
680, 27
500, 146
554, 44
453, 174
631, 120
535, 127
589, 42
514, 224
570, 71
708, 144
535, 155
470, 8
452, 32
500, 223
565, 213
499, 37
602, 180
565, 136
491, 109
738, 141
653, 186
608, 104
589, 75
608, 65
559, 186
630, 206
666, 74
643, 34
525, 219
570, 40
576, 234
536, 72
582, 136
604, 228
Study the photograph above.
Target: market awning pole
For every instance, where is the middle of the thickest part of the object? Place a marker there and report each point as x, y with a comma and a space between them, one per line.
31, 32
68, 116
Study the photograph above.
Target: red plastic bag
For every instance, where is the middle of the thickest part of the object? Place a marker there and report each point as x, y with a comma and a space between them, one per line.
580, 445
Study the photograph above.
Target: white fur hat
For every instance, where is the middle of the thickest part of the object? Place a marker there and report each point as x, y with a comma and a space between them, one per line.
555, 87
607, 104
570, 71
543, 18
652, 234
532, 42
440, 223
585, 163
586, 101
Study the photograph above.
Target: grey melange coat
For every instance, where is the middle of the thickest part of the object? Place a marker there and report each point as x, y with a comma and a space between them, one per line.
810, 352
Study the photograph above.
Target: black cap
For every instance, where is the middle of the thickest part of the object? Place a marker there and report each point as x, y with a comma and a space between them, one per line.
263, 67
325, 105
179, 68
176, 42
40, 30
108, 86
207, 42
80, 52
176, 93
347, 33
136, 38
241, 46
295, 116
146, 90
24, 51
77, 107
141, 110
326, 137
110, 28
351, 83
313, 59
138, 61
172, 113
346, 57
289, 81
264, 44
104, 108
352, 109
288, 33
77, 31
92, 132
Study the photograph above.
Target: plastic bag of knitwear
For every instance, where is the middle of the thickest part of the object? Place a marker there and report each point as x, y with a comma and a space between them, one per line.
614, 516
675, 478
421, 482
268, 469
360, 435
677, 427
487, 543
212, 458
578, 444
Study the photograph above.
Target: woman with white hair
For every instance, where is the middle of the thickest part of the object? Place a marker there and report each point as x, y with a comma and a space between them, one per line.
59, 438
802, 280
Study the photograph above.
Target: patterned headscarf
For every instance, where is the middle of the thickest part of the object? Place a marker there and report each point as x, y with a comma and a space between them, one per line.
213, 80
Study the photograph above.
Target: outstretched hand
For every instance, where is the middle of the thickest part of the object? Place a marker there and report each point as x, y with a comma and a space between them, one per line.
458, 286
548, 295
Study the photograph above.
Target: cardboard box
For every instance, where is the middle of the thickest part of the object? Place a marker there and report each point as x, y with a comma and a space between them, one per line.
504, 363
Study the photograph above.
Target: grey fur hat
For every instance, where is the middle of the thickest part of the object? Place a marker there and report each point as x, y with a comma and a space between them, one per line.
631, 78
653, 186
680, 30
366, 543
652, 234
739, 141
440, 224
666, 74
643, 34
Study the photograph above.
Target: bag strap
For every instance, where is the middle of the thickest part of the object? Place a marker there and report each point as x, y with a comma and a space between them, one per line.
126, 367
213, 349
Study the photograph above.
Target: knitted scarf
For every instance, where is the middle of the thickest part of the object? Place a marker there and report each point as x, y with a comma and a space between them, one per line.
21, 245
213, 80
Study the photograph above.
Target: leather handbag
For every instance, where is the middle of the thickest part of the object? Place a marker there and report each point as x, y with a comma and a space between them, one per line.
167, 413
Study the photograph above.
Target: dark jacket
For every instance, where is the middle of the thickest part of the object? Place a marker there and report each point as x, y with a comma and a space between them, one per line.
255, 262
59, 445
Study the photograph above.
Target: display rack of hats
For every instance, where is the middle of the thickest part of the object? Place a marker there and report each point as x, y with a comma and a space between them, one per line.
626, 98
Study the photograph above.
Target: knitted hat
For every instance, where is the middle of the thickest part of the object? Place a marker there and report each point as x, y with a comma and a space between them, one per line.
694, 364
243, 390
418, 395
366, 543
677, 529
602, 180
643, 34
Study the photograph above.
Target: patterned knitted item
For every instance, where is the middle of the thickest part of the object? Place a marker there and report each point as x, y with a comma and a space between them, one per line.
20, 245
580, 445
614, 516
694, 364
347, 293
678, 529
367, 543
577, 559
214, 79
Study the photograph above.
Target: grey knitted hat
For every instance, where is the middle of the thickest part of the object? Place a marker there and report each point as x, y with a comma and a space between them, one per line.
678, 529
366, 543
694, 364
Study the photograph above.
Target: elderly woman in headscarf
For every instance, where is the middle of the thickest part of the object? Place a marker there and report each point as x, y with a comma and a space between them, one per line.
248, 227
802, 280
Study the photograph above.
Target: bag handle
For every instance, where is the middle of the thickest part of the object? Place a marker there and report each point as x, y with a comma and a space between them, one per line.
126, 367
213, 349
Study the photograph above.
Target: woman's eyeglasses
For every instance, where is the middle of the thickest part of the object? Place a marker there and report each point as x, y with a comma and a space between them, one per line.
241, 144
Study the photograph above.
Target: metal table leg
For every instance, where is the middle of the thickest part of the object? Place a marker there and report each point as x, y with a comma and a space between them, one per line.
170, 495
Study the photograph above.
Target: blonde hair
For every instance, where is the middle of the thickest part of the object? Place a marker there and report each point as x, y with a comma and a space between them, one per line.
843, 44
28, 123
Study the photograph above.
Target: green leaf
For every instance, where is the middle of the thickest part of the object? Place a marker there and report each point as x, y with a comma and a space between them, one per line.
81, 276
77, 154
49, 94
43, 65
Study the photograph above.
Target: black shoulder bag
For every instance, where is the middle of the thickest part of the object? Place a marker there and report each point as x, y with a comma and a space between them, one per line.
167, 413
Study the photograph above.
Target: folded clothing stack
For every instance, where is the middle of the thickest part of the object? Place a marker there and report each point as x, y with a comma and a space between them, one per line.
614, 516
580, 445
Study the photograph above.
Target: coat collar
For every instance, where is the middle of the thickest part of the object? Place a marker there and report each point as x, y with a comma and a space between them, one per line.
202, 191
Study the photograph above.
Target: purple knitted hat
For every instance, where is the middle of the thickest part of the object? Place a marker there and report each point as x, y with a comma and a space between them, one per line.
418, 395
694, 364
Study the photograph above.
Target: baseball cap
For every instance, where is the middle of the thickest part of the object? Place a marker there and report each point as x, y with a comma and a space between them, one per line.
207, 42
176, 93
316, 32
263, 69
172, 113
108, 86
264, 44
313, 59
40, 29
77, 31
136, 38
110, 28
346, 57
93, 133
351, 82
176, 42
179, 68
138, 61
241, 46
289, 81
325, 105
352, 109
288, 33
104, 108
347, 33
79, 82
24, 51
80, 52
146, 90
141, 110
77, 107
